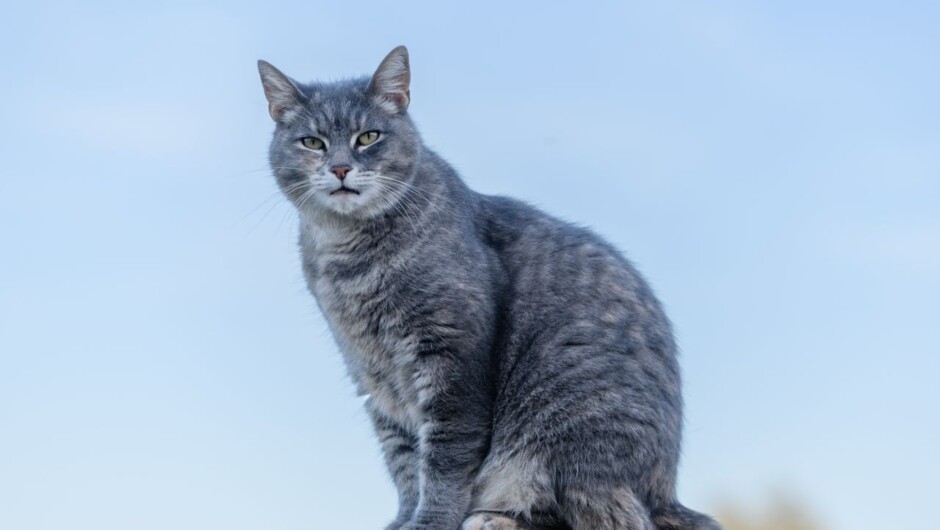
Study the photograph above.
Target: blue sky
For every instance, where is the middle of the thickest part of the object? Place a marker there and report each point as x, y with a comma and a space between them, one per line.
773, 168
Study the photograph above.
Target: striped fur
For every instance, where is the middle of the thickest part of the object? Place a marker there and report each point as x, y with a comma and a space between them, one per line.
520, 372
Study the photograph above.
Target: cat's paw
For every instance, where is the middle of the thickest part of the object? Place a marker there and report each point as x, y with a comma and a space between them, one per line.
491, 521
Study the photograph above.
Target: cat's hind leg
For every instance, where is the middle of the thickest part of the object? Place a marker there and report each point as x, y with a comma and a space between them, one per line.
604, 509
512, 493
678, 517
492, 521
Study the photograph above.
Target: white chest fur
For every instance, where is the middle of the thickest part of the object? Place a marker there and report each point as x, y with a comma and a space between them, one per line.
379, 356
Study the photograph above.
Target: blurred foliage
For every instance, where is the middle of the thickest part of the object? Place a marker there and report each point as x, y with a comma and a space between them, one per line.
781, 512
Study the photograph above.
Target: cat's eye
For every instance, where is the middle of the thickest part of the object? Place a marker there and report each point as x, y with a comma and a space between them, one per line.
312, 142
367, 138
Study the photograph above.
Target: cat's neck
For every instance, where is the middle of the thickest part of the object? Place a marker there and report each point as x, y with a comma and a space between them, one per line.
322, 229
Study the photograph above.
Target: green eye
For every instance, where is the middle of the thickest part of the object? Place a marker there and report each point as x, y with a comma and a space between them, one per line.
367, 138
312, 142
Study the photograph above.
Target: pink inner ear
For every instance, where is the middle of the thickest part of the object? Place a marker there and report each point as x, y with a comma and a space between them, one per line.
398, 98
276, 111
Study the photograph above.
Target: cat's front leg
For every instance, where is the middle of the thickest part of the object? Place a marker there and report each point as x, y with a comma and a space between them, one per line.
400, 449
453, 440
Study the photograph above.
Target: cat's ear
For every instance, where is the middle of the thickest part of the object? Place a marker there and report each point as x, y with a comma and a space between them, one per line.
389, 86
283, 95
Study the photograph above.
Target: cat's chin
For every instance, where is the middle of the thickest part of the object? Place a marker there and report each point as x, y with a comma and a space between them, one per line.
348, 203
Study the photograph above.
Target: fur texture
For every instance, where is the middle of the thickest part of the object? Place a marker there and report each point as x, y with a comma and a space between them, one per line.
520, 372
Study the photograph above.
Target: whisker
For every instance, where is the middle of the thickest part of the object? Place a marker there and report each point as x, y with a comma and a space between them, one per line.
279, 194
411, 195
398, 206
284, 218
248, 172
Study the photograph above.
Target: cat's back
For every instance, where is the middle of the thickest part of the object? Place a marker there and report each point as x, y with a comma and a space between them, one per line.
574, 300
554, 262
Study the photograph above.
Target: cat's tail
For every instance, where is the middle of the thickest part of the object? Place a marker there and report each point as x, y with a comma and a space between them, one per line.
678, 517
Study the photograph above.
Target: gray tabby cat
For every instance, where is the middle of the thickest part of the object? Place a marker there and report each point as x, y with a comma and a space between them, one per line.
520, 373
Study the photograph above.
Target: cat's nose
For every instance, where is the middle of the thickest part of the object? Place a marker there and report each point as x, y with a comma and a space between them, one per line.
340, 171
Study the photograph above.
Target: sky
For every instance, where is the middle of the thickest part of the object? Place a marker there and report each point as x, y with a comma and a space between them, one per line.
773, 168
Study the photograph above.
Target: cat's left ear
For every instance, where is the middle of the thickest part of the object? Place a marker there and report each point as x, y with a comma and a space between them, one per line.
282, 93
389, 86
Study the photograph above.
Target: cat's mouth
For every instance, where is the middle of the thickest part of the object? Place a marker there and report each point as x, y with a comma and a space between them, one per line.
343, 190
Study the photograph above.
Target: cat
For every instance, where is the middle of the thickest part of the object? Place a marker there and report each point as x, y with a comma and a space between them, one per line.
520, 372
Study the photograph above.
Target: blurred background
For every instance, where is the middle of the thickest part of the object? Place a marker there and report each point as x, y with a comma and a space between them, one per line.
772, 167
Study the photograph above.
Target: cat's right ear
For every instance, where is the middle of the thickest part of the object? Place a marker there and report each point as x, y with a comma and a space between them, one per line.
389, 85
284, 98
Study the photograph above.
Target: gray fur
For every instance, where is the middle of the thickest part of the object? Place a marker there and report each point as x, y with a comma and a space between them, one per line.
521, 373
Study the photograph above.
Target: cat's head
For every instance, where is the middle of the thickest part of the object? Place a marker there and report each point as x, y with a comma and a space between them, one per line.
345, 147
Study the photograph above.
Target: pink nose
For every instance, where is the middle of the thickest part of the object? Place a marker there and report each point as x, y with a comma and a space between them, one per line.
340, 171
